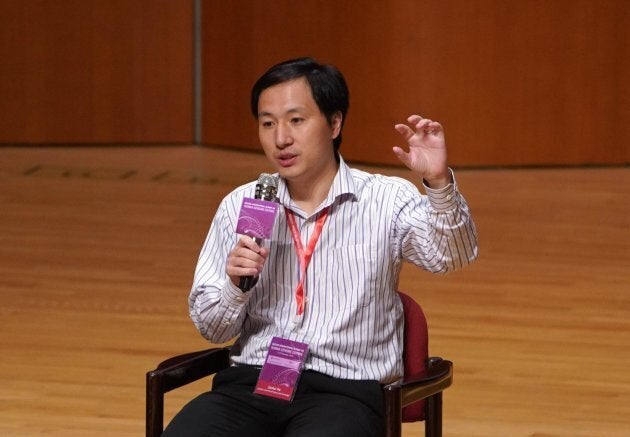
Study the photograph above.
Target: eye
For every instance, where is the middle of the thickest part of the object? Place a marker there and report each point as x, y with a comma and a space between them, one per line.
297, 120
266, 123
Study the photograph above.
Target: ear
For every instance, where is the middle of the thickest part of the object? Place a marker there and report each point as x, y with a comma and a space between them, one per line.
335, 123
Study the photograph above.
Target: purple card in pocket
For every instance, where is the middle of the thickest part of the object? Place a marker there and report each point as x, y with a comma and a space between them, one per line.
256, 218
283, 367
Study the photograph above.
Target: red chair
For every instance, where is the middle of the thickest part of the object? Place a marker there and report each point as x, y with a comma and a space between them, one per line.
417, 397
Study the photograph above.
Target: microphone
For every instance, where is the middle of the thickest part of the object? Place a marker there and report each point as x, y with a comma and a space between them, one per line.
266, 189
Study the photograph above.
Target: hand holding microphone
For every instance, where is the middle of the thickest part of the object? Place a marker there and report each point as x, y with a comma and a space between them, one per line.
256, 221
246, 260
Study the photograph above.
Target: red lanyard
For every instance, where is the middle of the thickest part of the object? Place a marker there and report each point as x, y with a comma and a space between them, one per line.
304, 255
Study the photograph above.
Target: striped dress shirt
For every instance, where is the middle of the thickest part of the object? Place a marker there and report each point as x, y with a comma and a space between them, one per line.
353, 317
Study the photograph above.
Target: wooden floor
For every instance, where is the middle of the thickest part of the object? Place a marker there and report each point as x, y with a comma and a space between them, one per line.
98, 246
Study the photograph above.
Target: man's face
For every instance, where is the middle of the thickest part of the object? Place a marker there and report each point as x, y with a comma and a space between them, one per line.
294, 134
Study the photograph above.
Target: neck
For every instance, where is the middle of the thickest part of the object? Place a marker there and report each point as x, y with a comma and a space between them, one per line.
308, 195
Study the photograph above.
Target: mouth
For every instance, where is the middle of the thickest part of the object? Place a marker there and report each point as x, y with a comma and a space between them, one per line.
287, 159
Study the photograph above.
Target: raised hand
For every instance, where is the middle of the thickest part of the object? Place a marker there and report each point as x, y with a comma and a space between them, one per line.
427, 150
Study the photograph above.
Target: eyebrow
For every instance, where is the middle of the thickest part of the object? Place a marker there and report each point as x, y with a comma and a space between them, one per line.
297, 109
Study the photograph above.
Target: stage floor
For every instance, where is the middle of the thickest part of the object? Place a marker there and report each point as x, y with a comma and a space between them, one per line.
98, 247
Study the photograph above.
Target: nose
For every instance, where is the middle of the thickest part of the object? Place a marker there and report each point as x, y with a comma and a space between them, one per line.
283, 136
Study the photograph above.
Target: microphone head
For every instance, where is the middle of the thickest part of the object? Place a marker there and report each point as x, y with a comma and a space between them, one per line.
266, 187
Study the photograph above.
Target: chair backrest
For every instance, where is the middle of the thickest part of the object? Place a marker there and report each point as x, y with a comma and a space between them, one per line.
415, 351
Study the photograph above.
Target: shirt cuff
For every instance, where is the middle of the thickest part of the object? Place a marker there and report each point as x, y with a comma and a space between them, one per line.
233, 295
443, 199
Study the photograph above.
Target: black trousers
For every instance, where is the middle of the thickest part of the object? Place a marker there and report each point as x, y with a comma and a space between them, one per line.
322, 406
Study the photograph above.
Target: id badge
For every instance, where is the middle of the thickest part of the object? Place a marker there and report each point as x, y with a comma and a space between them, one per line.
282, 369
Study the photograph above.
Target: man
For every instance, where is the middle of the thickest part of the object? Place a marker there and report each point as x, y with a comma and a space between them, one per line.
341, 303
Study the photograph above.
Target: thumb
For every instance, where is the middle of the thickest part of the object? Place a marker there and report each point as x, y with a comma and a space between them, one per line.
402, 155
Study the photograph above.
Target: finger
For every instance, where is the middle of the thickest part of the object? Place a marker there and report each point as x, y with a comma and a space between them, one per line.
404, 130
402, 155
413, 119
433, 128
422, 124
241, 263
437, 126
247, 254
248, 242
418, 122
245, 259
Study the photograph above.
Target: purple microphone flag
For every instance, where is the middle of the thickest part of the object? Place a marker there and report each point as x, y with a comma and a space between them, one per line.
256, 218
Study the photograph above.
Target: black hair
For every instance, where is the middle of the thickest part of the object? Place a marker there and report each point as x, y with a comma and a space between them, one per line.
327, 84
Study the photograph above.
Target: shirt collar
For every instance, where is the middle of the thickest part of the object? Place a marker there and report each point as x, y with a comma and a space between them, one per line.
343, 186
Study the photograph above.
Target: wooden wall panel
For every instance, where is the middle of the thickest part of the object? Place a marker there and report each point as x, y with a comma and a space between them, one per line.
95, 71
515, 83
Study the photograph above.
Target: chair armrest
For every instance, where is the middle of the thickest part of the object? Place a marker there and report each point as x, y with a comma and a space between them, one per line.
183, 369
439, 377
177, 372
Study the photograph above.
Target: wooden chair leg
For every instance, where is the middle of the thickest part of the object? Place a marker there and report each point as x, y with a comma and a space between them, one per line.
393, 412
433, 416
155, 406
